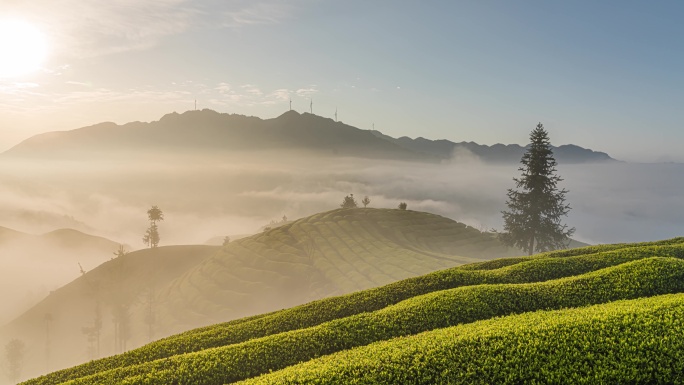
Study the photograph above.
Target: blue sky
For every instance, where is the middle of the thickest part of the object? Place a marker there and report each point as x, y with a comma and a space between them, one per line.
601, 74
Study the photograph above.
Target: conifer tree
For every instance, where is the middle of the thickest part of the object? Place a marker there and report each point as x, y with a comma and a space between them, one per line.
535, 207
349, 202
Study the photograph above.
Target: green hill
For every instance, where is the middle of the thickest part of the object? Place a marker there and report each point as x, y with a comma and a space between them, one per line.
332, 253
181, 288
600, 314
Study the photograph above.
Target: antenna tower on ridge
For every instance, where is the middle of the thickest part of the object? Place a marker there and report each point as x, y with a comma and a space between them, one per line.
311, 105
335, 113
290, 104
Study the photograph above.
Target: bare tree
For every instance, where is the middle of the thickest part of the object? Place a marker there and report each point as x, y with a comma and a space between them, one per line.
14, 354
120, 304
366, 201
47, 318
93, 330
150, 313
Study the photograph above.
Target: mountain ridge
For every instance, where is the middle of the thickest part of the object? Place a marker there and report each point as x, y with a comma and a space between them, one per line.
496, 153
211, 131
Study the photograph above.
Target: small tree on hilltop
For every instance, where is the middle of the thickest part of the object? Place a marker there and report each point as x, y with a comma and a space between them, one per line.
226, 240
402, 206
349, 202
151, 238
365, 201
533, 220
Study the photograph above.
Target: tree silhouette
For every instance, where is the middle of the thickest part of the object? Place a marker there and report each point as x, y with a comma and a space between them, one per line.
349, 202
366, 201
151, 238
120, 302
47, 319
14, 354
533, 220
150, 313
402, 206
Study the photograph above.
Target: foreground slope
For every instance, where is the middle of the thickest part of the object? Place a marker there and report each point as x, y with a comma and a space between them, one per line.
369, 320
323, 255
625, 342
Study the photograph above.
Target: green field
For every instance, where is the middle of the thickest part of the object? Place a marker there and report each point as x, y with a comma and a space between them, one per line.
599, 314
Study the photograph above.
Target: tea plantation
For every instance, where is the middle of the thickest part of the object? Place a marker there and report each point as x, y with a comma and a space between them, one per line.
599, 314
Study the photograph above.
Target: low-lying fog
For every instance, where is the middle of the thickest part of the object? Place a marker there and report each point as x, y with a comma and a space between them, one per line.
616, 202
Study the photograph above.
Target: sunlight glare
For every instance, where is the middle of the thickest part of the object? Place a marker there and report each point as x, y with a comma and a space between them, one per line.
22, 48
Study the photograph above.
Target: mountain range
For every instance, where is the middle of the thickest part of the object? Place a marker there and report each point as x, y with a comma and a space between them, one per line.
208, 131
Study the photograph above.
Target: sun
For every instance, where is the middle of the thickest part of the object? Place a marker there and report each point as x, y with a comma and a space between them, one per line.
22, 48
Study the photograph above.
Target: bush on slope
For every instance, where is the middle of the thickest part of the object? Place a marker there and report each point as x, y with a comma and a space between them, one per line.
441, 309
503, 262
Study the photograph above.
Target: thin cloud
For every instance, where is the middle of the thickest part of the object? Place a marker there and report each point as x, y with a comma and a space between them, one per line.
83, 84
307, 92
89, 28
281, 94
256, 13
223, 88
252, 89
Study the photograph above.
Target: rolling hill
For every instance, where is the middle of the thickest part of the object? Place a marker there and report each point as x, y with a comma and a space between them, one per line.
599, 314
209, 132
32, 265
328, 254
127, 282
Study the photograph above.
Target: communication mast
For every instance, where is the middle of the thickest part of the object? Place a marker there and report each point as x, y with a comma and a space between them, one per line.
335, 113
311, 106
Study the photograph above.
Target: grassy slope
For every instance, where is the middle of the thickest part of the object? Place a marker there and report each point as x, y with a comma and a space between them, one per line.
435, 310
332, 253
625, 342
526, 269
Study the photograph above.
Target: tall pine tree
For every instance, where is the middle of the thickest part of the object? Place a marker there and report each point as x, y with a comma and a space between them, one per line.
533, 220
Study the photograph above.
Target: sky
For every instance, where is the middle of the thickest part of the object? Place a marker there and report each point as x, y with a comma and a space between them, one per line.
603, 75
